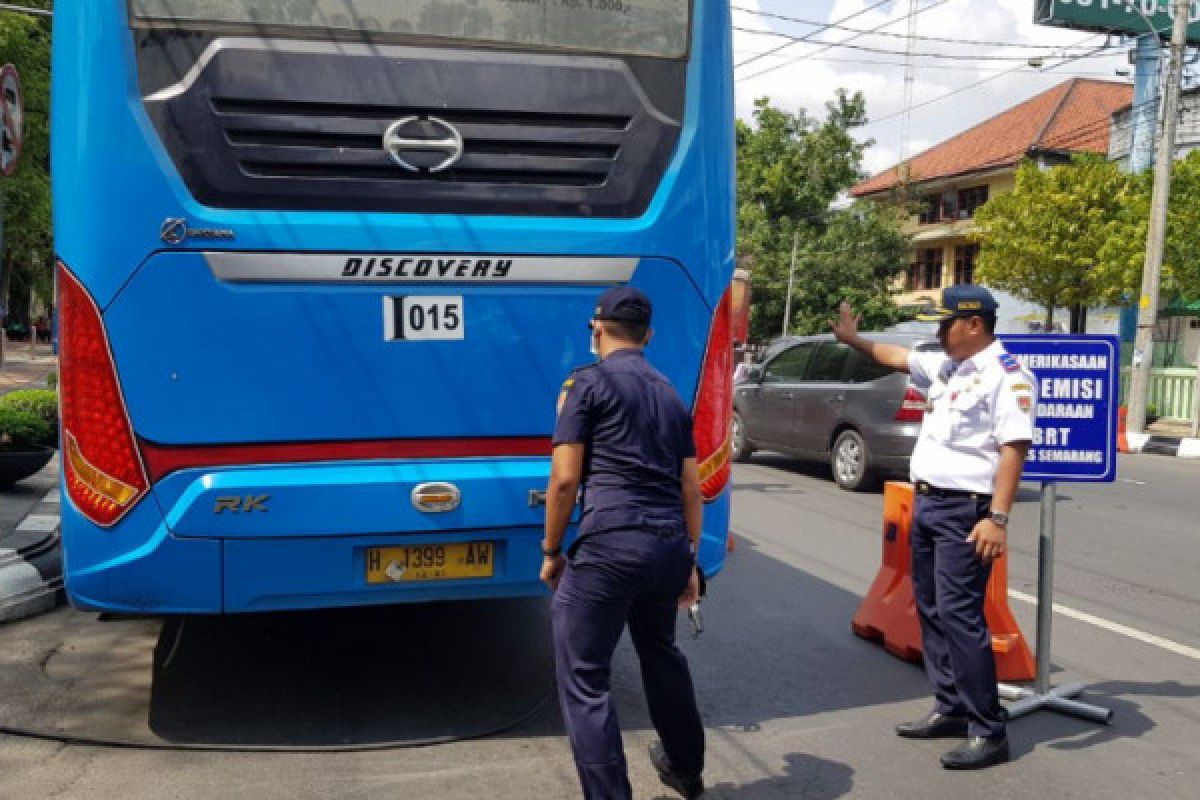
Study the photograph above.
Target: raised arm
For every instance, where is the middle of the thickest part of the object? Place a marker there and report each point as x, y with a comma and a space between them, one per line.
845, 330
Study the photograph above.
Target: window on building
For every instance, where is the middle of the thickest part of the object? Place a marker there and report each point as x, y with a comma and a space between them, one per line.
965, 256
926, 273
971, 199
930, 209
950, 204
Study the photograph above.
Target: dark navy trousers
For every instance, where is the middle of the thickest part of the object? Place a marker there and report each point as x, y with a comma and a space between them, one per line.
612, 579
950, 582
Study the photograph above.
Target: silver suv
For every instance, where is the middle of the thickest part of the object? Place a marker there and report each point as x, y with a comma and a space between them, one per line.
815, 398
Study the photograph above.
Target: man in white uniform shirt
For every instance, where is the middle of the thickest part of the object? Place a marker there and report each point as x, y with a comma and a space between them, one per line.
966, 467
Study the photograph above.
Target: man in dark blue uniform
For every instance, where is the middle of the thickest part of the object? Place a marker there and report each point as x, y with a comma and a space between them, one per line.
624, 433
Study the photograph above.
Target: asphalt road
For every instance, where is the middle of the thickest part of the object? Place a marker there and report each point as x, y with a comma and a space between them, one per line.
796, 706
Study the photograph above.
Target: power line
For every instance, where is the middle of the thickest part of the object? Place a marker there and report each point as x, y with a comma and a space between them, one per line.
941, 39
847, 18
946, 56
955, 68
818, 51
965, 88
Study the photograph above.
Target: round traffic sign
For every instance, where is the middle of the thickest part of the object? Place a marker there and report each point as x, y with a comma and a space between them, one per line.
12, 118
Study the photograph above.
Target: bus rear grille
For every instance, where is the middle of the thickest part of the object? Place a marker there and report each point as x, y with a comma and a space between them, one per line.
281, 124
273, 139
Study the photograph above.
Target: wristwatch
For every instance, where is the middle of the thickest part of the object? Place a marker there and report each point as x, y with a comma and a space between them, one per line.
551, 552
999, 518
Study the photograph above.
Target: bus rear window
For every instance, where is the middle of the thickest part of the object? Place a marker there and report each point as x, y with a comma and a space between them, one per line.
625, 27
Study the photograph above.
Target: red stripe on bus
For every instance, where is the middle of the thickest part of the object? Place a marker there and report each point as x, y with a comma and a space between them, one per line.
162, 460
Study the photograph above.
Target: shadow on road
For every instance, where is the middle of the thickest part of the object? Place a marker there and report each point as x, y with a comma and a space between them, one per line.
1062, 732
355, 676
805, 778
777, 646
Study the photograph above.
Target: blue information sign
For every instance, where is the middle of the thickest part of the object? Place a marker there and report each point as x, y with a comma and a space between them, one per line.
1076, 415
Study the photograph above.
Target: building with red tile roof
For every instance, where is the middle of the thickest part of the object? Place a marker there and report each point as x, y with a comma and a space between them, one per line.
957, 176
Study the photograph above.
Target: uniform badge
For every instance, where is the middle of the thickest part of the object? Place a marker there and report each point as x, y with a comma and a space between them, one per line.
1024, 402
562, 395
1009, 362
1021, 387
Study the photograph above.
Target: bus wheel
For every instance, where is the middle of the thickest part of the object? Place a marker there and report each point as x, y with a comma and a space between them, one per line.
742, 449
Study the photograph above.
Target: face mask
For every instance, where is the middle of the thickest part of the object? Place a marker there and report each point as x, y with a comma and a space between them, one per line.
595, 344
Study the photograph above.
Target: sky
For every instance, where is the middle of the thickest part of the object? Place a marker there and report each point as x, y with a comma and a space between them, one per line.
801, 77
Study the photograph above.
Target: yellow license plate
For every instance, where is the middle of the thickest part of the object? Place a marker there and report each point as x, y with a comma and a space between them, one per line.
430, 562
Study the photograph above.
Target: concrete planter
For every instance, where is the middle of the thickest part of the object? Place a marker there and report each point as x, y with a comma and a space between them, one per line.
16, 466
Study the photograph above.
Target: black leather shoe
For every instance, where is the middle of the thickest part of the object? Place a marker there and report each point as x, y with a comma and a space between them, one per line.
934, 726
688, 787
977, 752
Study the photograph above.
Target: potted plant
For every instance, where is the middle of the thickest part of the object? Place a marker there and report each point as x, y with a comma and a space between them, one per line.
22, 445
43, 403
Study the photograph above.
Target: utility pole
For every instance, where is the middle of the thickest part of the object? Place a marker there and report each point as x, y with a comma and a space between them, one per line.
910, 77
1143, 345
787, 303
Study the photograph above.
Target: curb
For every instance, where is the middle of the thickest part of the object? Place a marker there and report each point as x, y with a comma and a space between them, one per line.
1149, 444
31, 563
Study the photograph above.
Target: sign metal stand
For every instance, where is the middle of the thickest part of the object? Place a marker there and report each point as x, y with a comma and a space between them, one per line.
1050, 358
1041, 696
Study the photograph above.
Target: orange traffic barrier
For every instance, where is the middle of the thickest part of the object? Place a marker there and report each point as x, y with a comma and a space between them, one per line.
888, 614
1014, 659
1122, 429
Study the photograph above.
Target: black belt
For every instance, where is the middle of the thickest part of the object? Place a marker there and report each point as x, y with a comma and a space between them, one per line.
933, 491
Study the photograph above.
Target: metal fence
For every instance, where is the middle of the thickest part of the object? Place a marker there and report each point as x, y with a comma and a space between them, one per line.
1170, 391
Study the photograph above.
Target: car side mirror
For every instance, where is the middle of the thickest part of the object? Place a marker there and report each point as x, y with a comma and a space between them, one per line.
754, 375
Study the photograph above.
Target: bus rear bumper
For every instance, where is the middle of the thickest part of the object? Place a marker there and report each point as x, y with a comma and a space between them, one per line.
176, 575
278, 574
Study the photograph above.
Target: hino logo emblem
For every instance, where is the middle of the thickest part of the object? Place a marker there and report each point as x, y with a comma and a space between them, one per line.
175, 230
414, 136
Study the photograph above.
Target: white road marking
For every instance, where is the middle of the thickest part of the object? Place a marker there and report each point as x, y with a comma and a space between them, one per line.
1115, 627
38, 523
1131, 480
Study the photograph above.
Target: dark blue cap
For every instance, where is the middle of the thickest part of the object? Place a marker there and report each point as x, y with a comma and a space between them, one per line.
625, 304
961, 300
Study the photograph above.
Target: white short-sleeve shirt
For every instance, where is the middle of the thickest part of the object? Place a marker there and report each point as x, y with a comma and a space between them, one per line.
973, 408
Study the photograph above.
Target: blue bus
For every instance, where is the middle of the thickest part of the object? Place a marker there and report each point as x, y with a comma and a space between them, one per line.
324, 264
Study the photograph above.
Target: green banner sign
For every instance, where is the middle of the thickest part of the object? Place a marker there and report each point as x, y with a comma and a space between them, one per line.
1117, 16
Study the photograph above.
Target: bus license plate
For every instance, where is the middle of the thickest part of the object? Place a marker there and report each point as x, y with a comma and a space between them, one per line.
430, 562
420, 318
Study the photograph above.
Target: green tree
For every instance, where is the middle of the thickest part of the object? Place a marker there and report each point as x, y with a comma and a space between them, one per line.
1119, 267
1042, 242
25, 263
791, 168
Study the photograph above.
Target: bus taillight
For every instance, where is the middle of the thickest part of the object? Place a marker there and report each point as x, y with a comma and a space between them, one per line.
104, 473
713, 411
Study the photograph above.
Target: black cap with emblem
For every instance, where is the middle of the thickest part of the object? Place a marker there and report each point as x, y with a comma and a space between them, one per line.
624, 304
